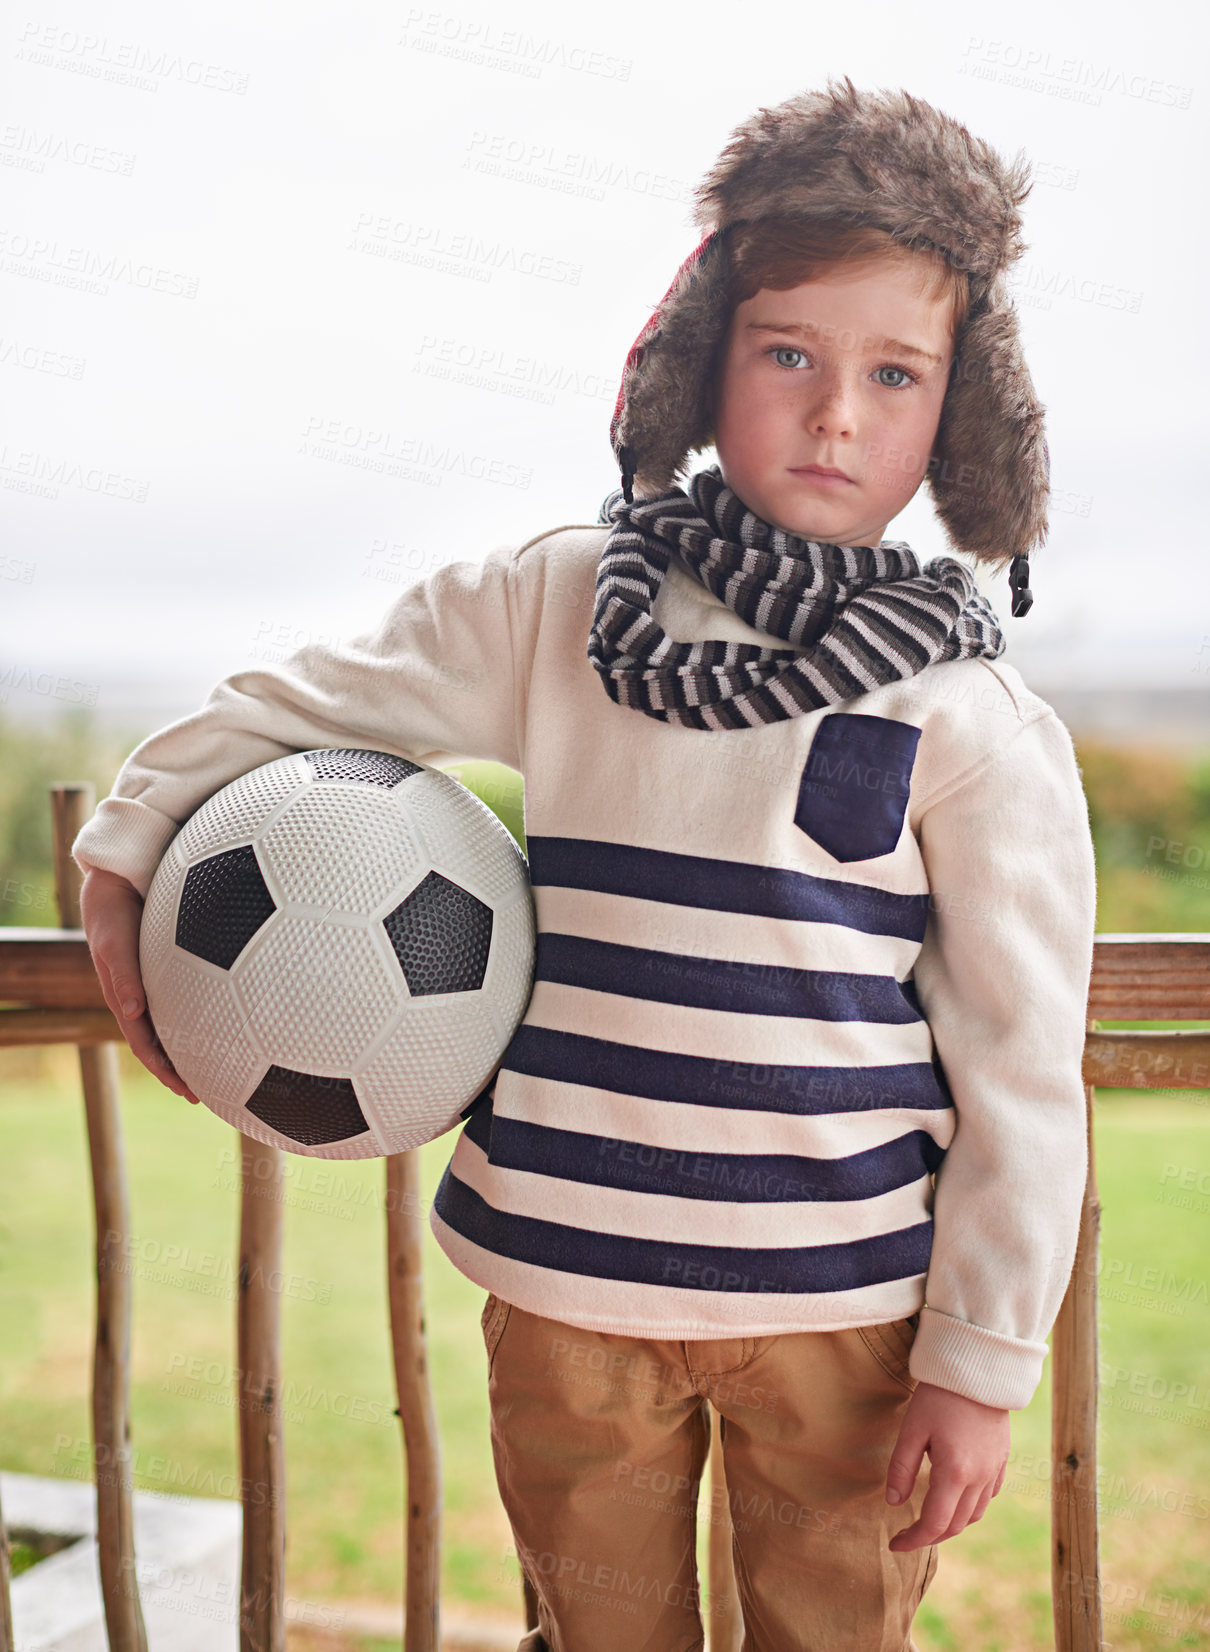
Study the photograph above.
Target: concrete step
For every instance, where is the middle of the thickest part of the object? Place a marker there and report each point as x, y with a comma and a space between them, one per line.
187, 1562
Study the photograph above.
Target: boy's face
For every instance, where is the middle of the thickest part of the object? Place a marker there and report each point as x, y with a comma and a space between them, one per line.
806, 378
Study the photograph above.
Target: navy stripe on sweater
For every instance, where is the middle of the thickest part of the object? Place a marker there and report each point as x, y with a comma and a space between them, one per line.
707, 1081
723, 885
796, 1269
741, 1178
705, 983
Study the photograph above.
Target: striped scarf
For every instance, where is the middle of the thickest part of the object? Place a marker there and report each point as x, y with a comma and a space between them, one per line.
856, 616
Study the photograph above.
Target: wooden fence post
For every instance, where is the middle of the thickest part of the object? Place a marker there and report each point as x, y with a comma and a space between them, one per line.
71, 805
1075, 1574
262, 1619
423, 1496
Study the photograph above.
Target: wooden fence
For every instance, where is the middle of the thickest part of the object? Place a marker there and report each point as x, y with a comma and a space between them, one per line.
49, 976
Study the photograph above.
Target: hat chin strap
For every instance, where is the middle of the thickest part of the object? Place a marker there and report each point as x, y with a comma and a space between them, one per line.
1018, 579
626, 463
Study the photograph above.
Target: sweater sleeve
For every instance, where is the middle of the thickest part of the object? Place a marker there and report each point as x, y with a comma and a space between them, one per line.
436, 681
1003, 979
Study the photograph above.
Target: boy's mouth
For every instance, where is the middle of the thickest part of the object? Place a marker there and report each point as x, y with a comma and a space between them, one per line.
820, 473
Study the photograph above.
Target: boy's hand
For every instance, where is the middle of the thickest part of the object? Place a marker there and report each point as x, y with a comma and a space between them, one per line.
967, 1444
111, 910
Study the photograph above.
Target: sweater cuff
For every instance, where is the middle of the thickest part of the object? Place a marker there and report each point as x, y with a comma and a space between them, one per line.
126, 837
981, 1365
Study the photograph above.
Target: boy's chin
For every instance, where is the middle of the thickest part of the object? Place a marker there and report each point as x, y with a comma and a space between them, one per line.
805, 526
795, 517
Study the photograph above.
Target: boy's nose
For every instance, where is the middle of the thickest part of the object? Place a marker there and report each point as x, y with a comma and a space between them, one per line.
832, 409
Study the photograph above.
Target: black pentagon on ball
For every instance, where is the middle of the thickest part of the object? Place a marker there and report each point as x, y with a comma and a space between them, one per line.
369, 768
307, 1107
442, 935
224, 901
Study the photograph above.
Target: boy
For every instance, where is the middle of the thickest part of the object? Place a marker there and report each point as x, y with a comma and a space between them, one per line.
815, 927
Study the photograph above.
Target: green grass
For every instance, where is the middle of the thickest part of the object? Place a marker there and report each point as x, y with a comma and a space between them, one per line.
22, 1557
343, 1446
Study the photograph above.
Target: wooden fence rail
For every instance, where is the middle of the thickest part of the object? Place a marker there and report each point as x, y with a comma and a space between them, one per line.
50, 988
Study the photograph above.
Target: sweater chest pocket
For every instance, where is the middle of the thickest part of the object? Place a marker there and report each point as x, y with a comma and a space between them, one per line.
853, 794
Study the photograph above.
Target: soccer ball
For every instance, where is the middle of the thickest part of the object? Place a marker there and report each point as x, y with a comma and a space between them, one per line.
336, 949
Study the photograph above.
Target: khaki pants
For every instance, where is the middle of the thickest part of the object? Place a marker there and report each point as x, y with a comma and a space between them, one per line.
599, 1444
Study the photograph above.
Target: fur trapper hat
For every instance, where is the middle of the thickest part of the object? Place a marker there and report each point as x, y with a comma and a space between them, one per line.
892, 161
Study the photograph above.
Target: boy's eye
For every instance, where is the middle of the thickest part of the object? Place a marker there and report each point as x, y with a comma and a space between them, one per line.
906, 377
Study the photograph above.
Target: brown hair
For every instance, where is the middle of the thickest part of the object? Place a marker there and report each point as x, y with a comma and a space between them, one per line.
780, 253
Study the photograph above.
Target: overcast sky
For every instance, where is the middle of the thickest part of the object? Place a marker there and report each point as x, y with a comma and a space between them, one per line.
301, 301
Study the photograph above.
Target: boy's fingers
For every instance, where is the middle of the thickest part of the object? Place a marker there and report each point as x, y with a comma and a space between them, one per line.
165, 1071
146, 1047
128, 996
173, 1079
935, 1516
112, 912
963, 1514
140, 1035
121, 950
905, 1465
120, 986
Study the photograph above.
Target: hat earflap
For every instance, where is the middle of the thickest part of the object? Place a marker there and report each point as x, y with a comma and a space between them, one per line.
661, 412
990, 472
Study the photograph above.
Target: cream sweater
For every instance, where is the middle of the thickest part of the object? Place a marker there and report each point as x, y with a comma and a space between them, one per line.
804, 1045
